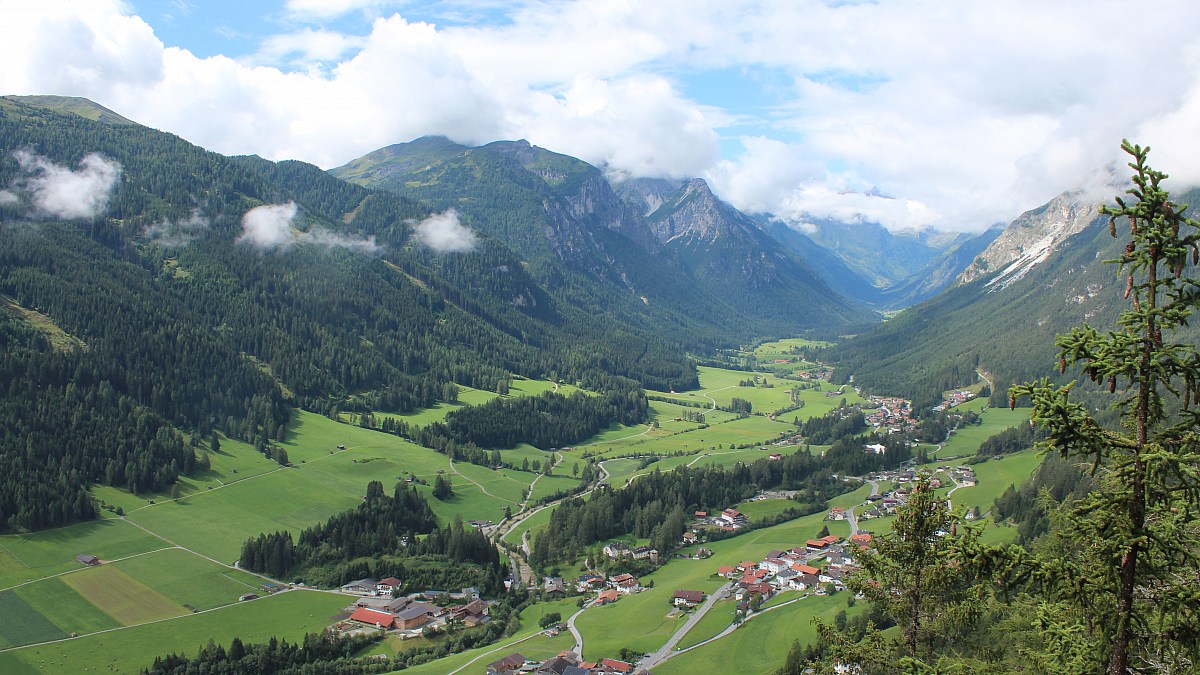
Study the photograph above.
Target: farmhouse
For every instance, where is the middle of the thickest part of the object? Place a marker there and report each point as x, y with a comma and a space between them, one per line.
388, 585
616, 549
689, 598
625, 583
837, 513
373, 618
607, 596
510, 662
87, 559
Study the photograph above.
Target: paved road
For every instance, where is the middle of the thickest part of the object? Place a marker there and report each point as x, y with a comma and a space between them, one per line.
575, 631
665, 652
850, 517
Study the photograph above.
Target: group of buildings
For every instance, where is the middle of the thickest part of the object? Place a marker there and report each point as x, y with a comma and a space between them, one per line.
892, 415
410, 615
566, 663
818, 562
955, 398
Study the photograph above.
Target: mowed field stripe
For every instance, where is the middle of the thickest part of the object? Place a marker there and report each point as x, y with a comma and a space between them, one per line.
122, 597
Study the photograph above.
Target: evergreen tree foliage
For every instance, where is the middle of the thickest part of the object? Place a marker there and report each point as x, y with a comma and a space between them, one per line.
1139, 587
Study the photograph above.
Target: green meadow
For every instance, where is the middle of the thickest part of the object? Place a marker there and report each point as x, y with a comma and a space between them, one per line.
760, 644
288, 615
42, 554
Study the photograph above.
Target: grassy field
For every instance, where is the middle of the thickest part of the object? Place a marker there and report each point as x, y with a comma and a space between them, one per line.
716, 620
288, 615
23, 624
761, 644
65, 607
994, 477
967, 439
188, 579
122, 597
765, 507
38, 555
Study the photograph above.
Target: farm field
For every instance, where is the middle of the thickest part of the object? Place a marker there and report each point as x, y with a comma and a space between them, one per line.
122, 597
63, 606
716, 620
287, 615
995, 476
967, 439
41, 554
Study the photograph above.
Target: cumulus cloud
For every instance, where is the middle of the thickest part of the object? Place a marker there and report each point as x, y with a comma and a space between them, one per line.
443, 233
56, 191
968, 115
178, 233
271, 227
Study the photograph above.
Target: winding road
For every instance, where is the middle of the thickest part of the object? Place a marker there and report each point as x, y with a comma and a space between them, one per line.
850, 517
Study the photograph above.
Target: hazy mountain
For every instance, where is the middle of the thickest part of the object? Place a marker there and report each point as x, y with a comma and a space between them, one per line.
1047, 276
914, 265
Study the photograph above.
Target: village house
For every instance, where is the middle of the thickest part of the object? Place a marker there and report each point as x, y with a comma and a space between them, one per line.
837, 513
613, 666
625, 583
805, 581
616, 549
388, 585
511, 662
416, 615
774, 565
689, 538
727, 571
702, 553
384, 604
554, 586
687, 598
606, 596
733, 518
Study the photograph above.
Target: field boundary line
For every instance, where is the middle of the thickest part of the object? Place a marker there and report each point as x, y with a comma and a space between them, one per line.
81, 569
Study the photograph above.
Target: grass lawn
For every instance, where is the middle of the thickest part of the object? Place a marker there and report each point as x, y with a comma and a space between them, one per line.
761, 644
640, 621
533, 524
287, 615
548, 485
122, 597
53, 551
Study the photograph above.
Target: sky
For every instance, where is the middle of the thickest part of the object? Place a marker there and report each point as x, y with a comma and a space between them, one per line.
954, 115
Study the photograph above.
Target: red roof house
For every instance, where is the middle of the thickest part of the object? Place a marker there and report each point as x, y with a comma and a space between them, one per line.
374, 618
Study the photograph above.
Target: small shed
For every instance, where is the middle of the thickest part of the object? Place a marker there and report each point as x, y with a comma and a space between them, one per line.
87, 559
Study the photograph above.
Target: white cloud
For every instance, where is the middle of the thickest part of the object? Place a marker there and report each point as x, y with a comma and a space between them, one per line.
967, 113
443, 233
178, 233
271, 227
56, 191
8, 198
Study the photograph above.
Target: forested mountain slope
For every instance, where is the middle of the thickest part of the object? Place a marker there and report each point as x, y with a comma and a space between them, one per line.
598, 250
148, 286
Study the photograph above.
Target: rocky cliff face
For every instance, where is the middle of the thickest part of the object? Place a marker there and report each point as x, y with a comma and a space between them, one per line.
1030, 240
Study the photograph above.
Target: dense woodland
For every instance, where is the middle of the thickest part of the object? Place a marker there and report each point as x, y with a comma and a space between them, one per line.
152, 323
386, 535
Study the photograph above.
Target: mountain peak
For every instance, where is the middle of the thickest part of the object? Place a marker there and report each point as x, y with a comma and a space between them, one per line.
1030, 239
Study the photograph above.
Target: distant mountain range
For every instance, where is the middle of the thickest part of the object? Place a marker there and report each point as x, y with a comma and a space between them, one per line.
1042, 275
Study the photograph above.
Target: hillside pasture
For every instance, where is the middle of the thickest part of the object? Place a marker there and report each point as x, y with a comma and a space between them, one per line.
188, 579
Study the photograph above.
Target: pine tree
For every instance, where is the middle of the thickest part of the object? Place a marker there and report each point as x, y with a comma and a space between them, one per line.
1138, 585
